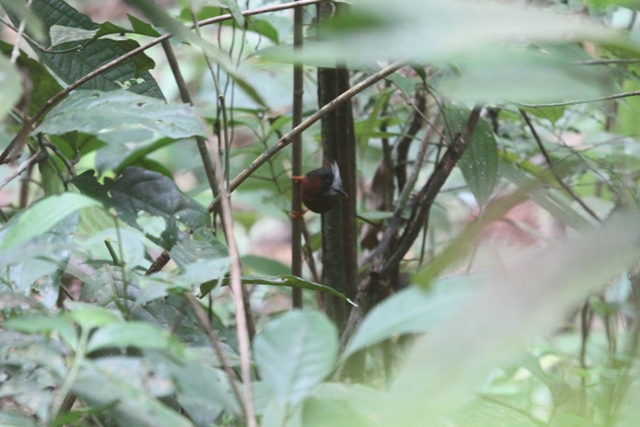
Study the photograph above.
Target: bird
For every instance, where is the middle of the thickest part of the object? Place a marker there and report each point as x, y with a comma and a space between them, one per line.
320, 189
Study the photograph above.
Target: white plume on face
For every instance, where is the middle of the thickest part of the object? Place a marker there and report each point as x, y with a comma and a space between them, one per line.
337, 181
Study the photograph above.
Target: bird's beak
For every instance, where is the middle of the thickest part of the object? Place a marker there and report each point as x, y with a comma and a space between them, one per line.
341, 191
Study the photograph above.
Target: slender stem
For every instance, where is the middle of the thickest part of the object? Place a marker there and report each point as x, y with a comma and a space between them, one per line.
582, 101
15, 52
296, 168
31, 160
213, 169
186, 97
547, 158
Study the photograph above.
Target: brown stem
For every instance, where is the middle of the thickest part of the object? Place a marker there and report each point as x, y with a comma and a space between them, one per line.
296, 156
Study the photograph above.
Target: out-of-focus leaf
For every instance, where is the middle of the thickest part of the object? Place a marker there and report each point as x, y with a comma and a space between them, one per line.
526, 76
90, 315
557, 204
522, 300
98, 112
340, 405
295, 352
411, 310
481, 413
370, 31
131, 404
40, 78
41, 217
10, 86
34, 323
141, 335
479, 163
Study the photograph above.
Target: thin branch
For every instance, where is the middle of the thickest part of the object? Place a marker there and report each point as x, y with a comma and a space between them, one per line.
186, 97
545, 154
15, 52
214, 175
236, 287
581, 101
39, 155
607, 61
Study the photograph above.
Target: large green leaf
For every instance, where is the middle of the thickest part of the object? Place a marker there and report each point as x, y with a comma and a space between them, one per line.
340, 405
97, 113
38, 259
141, 335
72, 64
552, 73
131, 404
41, 217
527, 296
412, 310
485, 37
295, 352
479, 163
142, 190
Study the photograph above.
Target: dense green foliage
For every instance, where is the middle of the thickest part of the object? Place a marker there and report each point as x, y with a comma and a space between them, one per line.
497, 168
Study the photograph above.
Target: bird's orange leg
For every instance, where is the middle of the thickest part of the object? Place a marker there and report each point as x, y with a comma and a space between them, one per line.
293, 215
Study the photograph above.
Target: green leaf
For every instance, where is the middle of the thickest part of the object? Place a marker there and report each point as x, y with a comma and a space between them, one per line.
341, 405
39, 259
479, 163
412, 310
142, 190
35, 323
483, 413
141, 27
72, 65
553, 114
90, 315
295, 352
41, 217
141, 335
131, 404
98, 112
